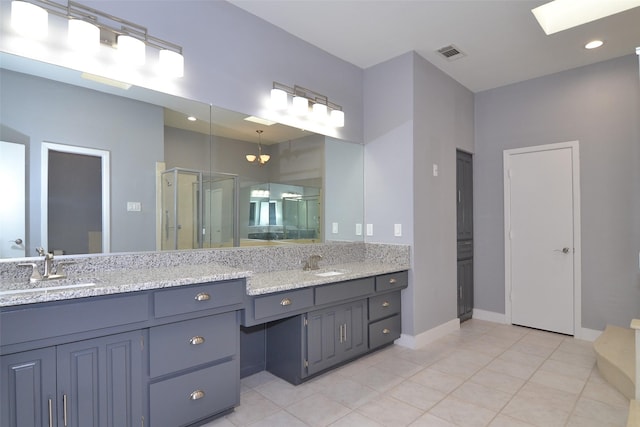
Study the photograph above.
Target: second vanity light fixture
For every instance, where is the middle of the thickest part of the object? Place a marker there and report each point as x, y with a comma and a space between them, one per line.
306, 103
88, 28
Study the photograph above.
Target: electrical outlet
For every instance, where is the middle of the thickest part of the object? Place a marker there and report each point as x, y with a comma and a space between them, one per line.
134, 206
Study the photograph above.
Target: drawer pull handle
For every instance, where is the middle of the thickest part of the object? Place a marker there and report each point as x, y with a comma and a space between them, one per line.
198, 394
203, 296
386, 304
386, 331
196, 340
392, 281
285, 302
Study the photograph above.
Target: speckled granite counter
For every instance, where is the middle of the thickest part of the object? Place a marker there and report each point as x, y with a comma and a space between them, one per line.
277, 281
267, 270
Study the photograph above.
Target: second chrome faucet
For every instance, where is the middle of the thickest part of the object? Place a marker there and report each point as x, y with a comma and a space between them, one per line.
312, 262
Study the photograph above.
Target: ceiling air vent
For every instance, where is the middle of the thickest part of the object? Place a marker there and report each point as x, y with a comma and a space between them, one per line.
451, 52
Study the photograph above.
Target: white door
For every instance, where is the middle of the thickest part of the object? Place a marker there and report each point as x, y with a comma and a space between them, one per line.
12, 206
541, 235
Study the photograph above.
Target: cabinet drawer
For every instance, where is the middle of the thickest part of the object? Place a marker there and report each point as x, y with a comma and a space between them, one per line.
384, 305
191, 397
384, 331
344, 290
282, 303
398, 280
190, 343
199, 297
39, 321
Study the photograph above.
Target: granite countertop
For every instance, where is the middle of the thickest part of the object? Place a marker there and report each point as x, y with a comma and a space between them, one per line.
123, 281
277, 281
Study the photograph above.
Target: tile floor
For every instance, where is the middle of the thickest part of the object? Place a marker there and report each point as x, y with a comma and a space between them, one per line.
485, 374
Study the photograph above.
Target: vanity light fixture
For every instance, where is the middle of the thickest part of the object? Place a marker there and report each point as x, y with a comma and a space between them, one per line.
88, 27
322, 110
260, 159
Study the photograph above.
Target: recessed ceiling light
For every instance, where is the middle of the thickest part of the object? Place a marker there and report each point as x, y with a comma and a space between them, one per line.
191, 118
593, 44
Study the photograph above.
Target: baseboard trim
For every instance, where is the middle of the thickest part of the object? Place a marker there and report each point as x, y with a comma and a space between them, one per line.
489, 316
587, 334
429, 336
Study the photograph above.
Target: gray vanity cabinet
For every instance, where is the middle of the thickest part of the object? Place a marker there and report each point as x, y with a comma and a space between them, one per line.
28, 388
335, 335
95, 382
303, 345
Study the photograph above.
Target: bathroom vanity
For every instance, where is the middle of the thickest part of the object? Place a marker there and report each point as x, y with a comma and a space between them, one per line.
161, 346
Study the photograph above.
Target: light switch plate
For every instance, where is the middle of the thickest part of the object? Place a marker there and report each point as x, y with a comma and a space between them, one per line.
369, 229
397, 230
334, 228
358, 229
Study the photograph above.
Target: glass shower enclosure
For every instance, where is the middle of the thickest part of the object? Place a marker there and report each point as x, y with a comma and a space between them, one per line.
199, 209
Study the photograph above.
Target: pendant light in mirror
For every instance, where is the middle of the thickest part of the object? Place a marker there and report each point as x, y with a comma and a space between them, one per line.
260, 158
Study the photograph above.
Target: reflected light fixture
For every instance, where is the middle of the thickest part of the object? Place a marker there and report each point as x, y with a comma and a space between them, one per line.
260, 159
559, 15
29, 20
89, 27
322, 110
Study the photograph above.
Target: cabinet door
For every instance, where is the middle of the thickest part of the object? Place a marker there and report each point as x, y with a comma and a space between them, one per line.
28, 383
464, 187
336, 334
100, 381
322, 344
354, 339
465, 289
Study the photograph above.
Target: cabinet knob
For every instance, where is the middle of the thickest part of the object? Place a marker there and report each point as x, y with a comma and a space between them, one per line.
285, 302
195, 395
196, 340
203, 296
392, 281
386, 331
386, 304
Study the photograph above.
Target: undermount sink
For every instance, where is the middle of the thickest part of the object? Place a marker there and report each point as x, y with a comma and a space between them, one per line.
46, 289
329, 273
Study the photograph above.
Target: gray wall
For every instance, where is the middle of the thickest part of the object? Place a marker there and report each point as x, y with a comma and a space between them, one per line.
132, 131
416, 116
598, 105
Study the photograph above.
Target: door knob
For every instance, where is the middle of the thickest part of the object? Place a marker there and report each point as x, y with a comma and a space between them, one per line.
563, 250
18, 241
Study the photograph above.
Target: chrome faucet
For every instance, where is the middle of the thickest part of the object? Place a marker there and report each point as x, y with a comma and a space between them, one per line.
312, 262
50, 273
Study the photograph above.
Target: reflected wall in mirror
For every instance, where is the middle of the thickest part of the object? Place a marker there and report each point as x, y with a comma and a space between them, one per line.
148, 138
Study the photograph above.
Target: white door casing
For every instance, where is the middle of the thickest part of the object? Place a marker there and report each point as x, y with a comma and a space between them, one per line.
12, 206
542, 218
106, 192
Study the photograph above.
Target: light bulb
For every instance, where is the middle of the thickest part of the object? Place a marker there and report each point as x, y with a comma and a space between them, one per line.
83, 35
319, 112
337, 118
132, 51
300, 106
171, 63
278, 99
29, 20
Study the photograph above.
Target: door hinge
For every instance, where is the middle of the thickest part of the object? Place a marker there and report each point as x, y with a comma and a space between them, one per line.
306, 322
142, 345
306, 363
142, 420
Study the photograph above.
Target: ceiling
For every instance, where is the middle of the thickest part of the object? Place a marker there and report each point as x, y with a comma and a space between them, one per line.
501, 39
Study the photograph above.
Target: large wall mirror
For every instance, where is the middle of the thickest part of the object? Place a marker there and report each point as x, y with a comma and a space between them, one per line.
90, 165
